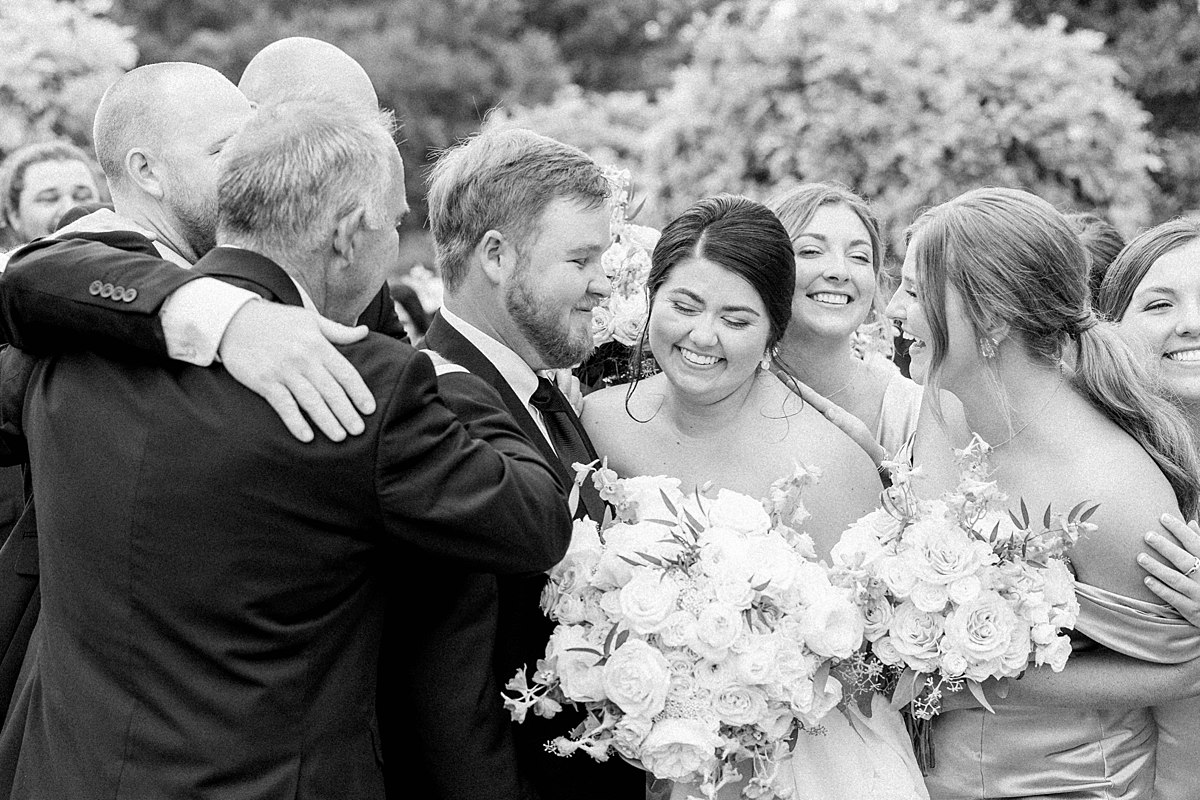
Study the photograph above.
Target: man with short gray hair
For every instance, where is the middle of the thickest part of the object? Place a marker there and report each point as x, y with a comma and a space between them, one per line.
213, 588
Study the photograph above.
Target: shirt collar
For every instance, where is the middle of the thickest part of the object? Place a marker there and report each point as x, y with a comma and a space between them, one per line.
522, 378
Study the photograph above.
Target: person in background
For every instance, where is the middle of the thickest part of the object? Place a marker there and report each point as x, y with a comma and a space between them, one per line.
38, 183
1101, 241
412, 314
839, 253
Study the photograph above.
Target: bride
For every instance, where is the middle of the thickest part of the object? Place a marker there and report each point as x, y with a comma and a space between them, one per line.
721, 287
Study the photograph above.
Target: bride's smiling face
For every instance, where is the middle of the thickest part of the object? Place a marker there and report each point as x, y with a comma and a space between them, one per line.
708, 329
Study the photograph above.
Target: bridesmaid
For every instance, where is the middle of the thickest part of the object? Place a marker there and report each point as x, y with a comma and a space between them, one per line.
1152, 291
839, 252
994, 293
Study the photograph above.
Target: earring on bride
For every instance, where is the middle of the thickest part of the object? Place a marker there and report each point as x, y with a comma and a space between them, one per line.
987, 347
765, 364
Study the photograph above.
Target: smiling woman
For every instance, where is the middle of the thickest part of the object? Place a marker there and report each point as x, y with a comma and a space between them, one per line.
721, 294
1152, 290
838, 254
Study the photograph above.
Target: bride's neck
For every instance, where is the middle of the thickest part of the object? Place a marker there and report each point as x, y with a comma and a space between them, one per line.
823, 364
699, 417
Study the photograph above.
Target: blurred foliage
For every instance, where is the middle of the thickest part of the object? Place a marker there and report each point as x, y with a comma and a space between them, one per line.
907, 103
1157, 44
56, 59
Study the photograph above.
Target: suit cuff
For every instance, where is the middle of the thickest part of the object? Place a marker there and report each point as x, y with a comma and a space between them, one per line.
195, 316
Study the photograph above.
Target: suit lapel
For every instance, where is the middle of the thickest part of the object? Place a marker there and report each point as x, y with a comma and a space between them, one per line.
444, 339
251, 271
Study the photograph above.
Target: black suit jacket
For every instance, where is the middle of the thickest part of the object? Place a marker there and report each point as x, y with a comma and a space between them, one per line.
212, 588
522, 630
46, 306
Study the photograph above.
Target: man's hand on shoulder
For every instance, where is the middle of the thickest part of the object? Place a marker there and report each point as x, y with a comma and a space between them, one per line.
286, 355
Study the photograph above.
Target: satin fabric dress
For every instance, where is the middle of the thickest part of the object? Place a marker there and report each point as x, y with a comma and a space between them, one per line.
1067, 753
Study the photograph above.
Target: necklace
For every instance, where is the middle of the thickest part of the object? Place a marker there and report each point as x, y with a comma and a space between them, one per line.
857, 371
1034, 416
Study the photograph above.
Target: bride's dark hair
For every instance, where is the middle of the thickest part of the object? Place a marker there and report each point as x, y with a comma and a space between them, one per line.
740, 235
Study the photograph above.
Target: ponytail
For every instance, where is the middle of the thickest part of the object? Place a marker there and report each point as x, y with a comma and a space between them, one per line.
1109, 375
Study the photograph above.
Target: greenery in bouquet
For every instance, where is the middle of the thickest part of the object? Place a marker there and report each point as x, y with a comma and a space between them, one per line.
955, 591
697, 631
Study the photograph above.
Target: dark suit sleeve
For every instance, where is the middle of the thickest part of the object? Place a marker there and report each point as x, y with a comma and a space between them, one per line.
46, 305
380, 316
16, 367
489, 503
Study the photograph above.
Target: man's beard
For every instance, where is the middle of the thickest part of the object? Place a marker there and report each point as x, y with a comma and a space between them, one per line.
557, 345
197, 221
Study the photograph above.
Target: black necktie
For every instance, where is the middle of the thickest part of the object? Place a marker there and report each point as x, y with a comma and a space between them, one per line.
569, 444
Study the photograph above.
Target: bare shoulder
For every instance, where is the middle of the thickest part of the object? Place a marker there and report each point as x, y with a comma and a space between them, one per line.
613, 419
1132, 493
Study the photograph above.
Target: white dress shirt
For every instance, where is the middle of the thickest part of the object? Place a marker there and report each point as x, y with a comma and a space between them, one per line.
520, 376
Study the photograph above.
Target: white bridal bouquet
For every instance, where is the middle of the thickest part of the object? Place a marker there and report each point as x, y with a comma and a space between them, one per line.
953, 591
697, 632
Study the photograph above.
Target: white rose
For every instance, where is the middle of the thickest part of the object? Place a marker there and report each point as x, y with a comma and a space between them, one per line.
732, 590
811, 703
625, 542
629, 733
680, 749
642, 236
791, 664
1043, 633
738, 512
569, 610
858, 546
983, 629
886, 650
637, 678
756, 664
1060, 585
915, 634
811, 582
739, 705
954, 664
629, 317
576, 660
929, 597
877, 616
677, 629
832, 626
1020, 650
898, 574
647, 600
602, 325
945, 552
964, 590
717, 627
774, 563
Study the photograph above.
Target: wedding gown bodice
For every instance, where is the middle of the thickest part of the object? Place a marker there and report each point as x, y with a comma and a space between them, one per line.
1024, 752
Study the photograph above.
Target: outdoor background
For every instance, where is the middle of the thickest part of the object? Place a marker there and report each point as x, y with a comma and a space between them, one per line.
1093, 105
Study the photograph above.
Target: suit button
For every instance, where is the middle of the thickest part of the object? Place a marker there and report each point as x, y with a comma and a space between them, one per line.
106, 290
130, 295
95, 288
118, 293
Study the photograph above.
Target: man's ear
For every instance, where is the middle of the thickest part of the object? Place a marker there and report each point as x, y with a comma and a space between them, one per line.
497, 254
346, 233
142, 170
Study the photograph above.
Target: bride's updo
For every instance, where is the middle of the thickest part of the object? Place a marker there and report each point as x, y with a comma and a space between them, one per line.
740, 235
1015, 261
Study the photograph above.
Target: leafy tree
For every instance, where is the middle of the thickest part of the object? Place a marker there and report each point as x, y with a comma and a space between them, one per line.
56, 60
910, 106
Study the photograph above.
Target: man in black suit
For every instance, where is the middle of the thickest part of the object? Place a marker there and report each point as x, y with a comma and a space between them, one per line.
212, 588
519, 223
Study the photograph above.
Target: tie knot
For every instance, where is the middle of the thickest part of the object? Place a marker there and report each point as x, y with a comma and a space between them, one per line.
547, 397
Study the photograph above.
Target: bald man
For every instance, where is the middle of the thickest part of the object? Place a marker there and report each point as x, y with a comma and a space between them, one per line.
160, 131
299, 65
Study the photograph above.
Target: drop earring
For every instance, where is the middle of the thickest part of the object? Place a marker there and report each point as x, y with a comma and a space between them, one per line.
987, 347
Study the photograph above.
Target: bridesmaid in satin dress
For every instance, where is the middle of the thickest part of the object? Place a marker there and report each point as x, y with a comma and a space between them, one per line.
994, 294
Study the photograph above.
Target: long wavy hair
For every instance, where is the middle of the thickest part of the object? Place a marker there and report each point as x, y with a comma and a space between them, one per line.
1015, 261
